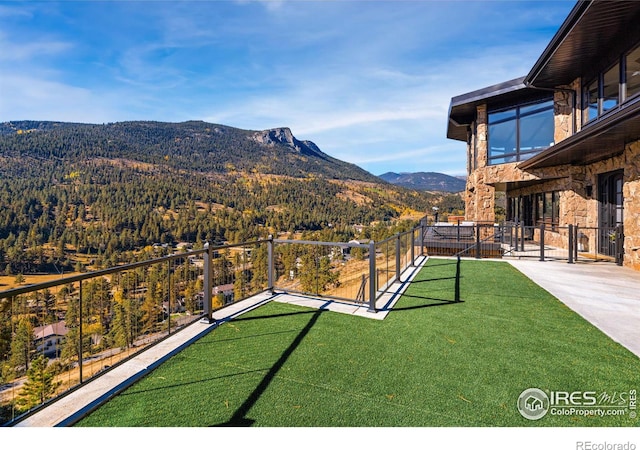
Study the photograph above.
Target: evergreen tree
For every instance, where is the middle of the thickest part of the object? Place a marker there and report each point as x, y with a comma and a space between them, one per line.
21, 346
125, 326
151, 311
308, 273
39, 387
260, 268
241, 282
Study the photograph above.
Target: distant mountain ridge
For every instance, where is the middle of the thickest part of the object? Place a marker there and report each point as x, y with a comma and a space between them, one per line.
192, 145
425, 181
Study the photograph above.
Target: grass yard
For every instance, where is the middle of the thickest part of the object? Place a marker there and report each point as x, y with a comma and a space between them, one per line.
431, 363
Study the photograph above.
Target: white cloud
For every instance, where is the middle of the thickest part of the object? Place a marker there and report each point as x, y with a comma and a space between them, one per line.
14, 11
270, 5
25, 97
16, 51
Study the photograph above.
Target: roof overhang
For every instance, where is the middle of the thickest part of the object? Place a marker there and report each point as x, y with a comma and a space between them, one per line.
597, 141
593, 30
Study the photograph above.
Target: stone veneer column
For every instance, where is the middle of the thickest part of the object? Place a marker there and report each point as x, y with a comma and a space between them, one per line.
576, 204
631, 193
480, 197
562, 115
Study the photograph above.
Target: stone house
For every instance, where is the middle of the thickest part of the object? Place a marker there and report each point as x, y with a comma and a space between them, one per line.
562, 143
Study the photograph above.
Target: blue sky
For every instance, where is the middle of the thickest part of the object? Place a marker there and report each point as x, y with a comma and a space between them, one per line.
368, 81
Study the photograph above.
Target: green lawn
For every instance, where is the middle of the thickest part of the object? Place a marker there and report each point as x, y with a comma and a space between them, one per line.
431, 362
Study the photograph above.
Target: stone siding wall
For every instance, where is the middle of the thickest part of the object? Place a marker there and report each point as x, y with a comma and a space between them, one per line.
480, 195
631, 193
563, 115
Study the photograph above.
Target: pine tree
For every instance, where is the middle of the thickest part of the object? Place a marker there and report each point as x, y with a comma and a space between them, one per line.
21, 346
39, 387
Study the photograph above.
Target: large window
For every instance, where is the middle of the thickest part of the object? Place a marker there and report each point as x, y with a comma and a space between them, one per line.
591, 100
518, 133
602, 94
612, 87
632, 72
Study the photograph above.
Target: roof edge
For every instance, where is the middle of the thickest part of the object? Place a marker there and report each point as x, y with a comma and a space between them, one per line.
488, 92
569, 23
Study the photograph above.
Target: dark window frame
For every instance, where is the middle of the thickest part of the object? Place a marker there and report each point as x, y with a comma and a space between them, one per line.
623, 94
544, 208
548, 209
600, 110
624, 71
546, 104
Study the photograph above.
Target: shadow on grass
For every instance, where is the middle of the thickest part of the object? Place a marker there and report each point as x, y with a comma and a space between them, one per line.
442, 262
239, 417
216, 342
440, 302
187, 383
271, 316
428, 280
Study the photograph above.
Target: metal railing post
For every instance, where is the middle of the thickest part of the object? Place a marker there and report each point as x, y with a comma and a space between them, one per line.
169, 299
270, 265
372, 277
619, 245
522, 236
478, 254
457, 285
398, 271
80, 331
413, 247
542, 230
571, 243
208, 285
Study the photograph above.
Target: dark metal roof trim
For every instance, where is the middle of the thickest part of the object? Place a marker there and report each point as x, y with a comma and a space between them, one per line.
488, 92
569, 23
462, 108
594, 32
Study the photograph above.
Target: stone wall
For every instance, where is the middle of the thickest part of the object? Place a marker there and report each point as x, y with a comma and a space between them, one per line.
479, 195
563, 115
631, 193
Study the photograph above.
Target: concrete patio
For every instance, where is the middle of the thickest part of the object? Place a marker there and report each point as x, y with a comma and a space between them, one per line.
603, 293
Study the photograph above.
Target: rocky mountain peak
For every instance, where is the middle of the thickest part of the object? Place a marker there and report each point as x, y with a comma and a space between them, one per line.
274, 136
284, 136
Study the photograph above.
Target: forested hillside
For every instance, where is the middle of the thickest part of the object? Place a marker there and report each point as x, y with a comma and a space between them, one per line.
73, 195
426, 181
190, 146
